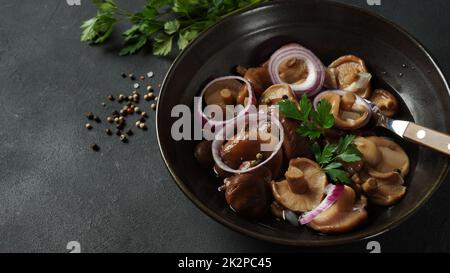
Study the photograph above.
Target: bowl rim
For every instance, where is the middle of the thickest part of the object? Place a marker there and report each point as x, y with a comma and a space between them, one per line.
335, 240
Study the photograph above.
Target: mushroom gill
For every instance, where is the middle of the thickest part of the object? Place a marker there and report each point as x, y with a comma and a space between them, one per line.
385, 190
346, 214
348, 114
303, 188
393, 158
347, 70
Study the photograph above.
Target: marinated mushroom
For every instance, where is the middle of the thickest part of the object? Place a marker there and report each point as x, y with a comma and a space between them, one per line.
248, 193
368, 149
223, 93
349, 111
203, 153
259, 78
387, 102
349, 73
393, 158
243, 151
303, 188
276, 93
344, 215
294, 145
293, 71
384, 190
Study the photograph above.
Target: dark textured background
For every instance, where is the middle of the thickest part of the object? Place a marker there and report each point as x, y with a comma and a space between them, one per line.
53, 189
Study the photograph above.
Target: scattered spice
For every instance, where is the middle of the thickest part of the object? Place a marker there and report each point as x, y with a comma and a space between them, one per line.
118, 117
90, 115
95, 147
123, 138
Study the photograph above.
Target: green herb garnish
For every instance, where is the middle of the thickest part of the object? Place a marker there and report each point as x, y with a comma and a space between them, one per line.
160, 22
313, 122
329, 157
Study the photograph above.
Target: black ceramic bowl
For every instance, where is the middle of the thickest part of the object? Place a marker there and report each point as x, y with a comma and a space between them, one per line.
330, 30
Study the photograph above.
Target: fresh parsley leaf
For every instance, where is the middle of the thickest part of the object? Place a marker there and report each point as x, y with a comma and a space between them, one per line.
309, 130
332, 156
290, 110
133, 45
185, 37
338, 175
333, 165
162, 44
170, 27
322, 116
313, 122
327, 154
306, 107
345, 142
182, 20
97, 29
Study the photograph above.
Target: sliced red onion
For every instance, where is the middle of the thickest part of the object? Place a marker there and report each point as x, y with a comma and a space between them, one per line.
251, 100
333, 192
316, 70
359, 101
362, 82
227, 131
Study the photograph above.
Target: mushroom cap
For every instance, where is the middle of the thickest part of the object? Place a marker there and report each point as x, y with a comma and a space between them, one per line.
275, 93
344, 215
248, 193
369, 150
384, 191
386, 101
346, 119
346, 71
393, 158
293, 71
311, 198
259, 78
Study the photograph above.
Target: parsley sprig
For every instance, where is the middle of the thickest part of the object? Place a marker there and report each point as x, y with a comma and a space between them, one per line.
332, 155
313, 122
161, 22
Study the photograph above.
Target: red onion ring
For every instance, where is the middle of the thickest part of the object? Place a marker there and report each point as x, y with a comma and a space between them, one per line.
333, 193
316, 70
213, 123
358, 100
227, 131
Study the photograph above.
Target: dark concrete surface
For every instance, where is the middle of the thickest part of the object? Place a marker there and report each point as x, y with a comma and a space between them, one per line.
54, 189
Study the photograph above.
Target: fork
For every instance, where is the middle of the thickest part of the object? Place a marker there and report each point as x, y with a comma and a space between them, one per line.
412, 132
